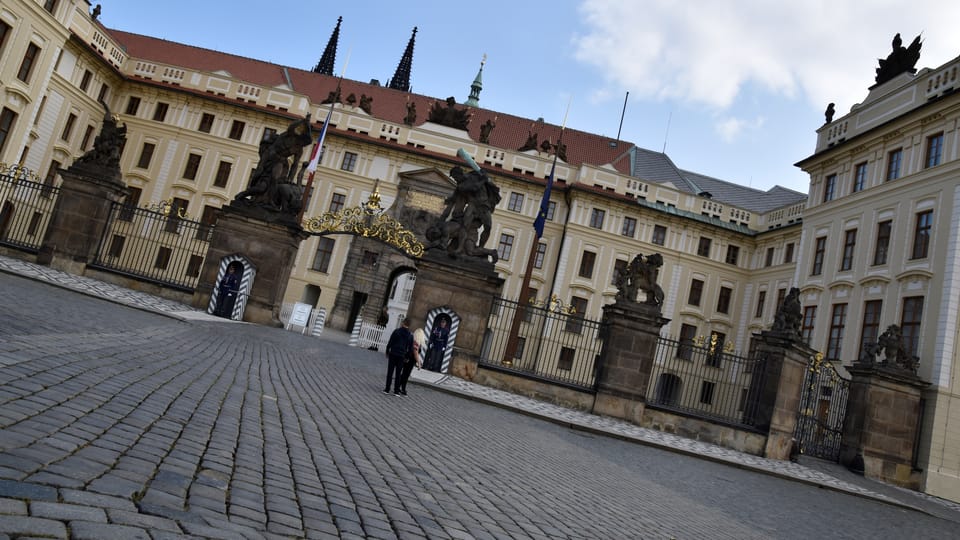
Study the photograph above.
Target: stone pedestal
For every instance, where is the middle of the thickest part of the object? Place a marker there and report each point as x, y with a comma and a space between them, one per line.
776, 396
466, 289
80, 217
881, 425
270, 246
629, 351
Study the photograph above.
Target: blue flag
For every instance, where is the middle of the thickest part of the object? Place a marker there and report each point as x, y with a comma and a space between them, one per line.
545, 202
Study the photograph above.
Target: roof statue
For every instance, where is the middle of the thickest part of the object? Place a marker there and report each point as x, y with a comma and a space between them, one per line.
900, 60
828, 114
411, 116
325, 65
530, 144
485, 130
450, 115
401, 77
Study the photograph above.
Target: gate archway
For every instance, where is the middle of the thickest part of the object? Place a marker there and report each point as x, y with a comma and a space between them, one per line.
823, 406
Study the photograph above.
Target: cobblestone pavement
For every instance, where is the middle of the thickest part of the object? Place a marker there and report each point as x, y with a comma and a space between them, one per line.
121, 423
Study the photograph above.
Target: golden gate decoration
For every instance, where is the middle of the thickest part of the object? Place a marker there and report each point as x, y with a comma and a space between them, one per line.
368, 220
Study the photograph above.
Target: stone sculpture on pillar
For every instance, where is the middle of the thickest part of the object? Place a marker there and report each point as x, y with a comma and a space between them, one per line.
786, 322
890, 343
641, 275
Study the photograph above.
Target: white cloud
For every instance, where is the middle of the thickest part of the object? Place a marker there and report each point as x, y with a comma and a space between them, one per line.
731, 128
706, 51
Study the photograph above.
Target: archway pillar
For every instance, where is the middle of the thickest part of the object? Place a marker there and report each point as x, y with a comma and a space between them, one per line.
468, 290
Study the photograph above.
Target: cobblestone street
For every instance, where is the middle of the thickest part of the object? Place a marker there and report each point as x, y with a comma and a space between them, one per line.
118, 422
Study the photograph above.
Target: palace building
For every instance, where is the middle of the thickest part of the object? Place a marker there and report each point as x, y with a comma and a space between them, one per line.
875, 242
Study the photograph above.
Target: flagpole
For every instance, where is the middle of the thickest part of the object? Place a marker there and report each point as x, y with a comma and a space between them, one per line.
513, 340
318, 151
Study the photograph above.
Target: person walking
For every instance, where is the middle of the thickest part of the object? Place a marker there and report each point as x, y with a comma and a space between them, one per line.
438, 344
416, 359
399, 349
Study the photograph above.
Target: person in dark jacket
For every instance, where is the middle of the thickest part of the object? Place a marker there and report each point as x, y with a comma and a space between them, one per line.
438, 344
399, 349
227, 293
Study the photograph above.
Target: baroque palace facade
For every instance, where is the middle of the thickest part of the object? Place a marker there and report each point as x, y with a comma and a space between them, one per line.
195, 119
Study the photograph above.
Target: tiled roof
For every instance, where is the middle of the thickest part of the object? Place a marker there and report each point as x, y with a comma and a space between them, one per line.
744, 197
510, 133
657, 167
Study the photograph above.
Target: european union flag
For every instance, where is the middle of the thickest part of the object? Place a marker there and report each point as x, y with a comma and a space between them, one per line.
545, 202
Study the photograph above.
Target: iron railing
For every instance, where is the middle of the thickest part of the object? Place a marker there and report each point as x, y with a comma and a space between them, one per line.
823, 406
156, 246
709, 382
557, 347
26, 206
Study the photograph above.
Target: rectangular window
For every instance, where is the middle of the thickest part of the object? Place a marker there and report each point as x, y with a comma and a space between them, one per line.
133, 105
68, 127
706, 392
193, 266
596, 218
829, 187
349, 162
505, 248
223, 174
116, 246
540, 255
207, 219
849, 247
321, 261
87, 135
7, 119
818, 251
781, 296
206, 123
160, 113
51, 179
50, 5
910, 325
102, 95
193, 165
4, 32
337, 202
733, 255
703, 247
34, 223
688, 333
551, 210
859, 177
921, 235
516, 202
871, 322
893, 164
587, 260
883, 242
934, 149
521, 343
146, 154
659, 235
769, 260
566, 358
575, 319
26, 65
131, 201
163, 258
761, 299
236, 130
806, 327
696, 292
85, 80
837, 323
788, 254
178, 207
629, 227
723, 300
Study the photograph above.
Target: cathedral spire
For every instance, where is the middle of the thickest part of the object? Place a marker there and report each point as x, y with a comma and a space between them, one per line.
477, 86
401, 79
325, 65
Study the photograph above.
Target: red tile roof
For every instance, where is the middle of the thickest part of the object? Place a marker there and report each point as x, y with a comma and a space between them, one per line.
510, 133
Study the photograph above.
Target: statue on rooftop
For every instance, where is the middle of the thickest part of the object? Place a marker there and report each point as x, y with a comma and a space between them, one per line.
900, 60
485, 130
828, 114
450, 115
411, 116
530, 144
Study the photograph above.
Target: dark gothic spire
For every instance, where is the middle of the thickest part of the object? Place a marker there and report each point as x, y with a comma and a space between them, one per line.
477, 86
325, 65
401, 79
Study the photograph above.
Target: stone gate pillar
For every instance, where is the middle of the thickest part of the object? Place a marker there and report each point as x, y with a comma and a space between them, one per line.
468, 289
269, 244
632, 331
775, 397
882, 422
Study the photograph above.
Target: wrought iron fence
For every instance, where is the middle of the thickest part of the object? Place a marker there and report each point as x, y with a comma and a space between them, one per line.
551, 345
823, 406
711, 382
26, 206
158, 246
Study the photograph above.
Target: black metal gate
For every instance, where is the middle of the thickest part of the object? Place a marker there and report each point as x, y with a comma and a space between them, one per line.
823, 406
